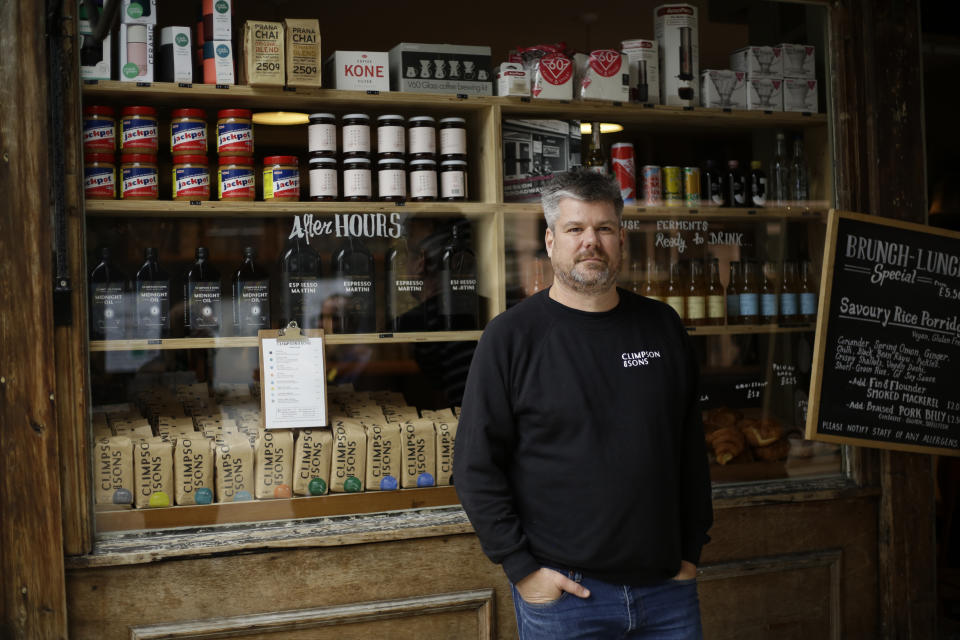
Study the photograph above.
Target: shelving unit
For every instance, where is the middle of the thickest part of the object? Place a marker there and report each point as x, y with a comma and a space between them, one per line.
246, 342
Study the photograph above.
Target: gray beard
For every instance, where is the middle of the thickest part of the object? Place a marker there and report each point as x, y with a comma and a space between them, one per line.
598, 282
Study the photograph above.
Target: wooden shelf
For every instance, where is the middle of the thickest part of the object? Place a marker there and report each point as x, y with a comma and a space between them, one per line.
737, 329
109, 518
215, 208
176, 95
243, 342
809, 211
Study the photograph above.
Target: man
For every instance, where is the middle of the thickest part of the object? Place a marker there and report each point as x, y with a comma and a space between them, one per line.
580, 457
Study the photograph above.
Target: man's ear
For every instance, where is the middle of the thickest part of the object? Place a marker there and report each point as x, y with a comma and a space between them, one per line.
548, 242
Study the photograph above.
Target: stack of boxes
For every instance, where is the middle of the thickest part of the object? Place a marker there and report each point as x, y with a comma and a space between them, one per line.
138, 18
214, 42
770, 70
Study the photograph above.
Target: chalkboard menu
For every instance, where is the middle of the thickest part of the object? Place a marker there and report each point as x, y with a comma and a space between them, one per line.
886, 370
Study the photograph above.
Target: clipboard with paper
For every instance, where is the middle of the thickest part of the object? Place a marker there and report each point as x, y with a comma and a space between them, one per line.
293, 378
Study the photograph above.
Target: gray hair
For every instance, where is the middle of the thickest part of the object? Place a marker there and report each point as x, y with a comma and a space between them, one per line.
579, 184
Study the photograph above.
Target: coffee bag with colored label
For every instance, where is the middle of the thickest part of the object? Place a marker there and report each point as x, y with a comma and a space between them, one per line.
384, 453
234, 468
153, 473
113, 470
446, 437
419, 454
193, 463
274, 464
349, 457
311, 462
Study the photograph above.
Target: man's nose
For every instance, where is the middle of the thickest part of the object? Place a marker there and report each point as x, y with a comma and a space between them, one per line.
589, 237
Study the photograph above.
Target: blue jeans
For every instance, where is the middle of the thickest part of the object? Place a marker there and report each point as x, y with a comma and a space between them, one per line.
669, 610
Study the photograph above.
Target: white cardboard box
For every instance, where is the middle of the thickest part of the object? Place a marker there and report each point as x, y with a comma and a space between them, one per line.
176, 59
602, 75
138, 12
441, 68
551, 77
221, 53
643, 60
677, 32
723, 89
765, 94
513, 80
758, 62
135, 65
799, 61
95, 69
358, 70
800, 94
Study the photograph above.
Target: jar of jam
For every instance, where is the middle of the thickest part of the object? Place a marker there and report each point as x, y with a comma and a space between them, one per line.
234, 132
453, 180
138, 130
391, 136
191, 178
422, 133
423, 180
138, 177
322, 134
99, 176
235, 178
99, 129
391, 179
356, 135
323, 178
281, 178
188, 132
453, 139
356, 179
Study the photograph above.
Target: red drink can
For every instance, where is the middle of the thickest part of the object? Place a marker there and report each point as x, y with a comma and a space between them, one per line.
625, 170
652, 186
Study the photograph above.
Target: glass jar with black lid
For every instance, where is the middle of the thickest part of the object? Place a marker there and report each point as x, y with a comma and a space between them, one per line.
422, 138
355, 131
391, 179
357, 182
391, 136
453, 180
322, 134
453, 139
423, 180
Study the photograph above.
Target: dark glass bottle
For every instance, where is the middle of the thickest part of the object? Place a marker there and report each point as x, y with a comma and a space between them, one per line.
749, 293
713, 184
596, 161
769, 297
405, 287
736, 195
758, 184
733, 293
251, 296
459, 298
152, 296
202, 296
353, 268
716, 302
107, 287
808, 293
301, 299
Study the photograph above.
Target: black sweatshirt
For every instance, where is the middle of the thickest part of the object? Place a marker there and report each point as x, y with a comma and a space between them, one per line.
580, 442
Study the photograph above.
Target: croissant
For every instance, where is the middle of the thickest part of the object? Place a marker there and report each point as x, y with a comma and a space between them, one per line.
727, 444
776, 451
720, 417
761, 433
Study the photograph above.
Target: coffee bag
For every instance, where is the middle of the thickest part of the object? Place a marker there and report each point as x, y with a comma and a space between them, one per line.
274, 464
311, 463
114, 470
446, 437
384, 452
234, 469
193, 464
153, 473
419, 454
349, 457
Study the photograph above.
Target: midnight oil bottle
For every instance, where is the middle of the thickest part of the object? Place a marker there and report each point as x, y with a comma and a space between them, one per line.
107, 287
251, 296
202, 297
152, 298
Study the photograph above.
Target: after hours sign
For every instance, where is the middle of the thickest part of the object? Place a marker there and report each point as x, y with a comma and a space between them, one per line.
886, 370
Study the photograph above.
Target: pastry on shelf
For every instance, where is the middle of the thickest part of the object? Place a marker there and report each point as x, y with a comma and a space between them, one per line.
727, 443
773, 452
719, 418
761, 433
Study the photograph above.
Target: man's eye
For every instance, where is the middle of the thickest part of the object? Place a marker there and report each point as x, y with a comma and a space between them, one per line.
573, 230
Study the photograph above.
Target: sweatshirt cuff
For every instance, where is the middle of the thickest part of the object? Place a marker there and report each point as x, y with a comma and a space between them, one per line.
690, 550
518, 565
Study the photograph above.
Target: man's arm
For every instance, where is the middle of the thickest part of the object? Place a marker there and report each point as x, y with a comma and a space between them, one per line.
484, 447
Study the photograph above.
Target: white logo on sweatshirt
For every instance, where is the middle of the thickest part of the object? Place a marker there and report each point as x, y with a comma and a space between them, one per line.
638, 358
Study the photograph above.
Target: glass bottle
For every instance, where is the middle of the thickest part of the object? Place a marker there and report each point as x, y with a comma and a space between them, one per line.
736, 186
459, 299
251, 296
808, 294
301, 298
152, 298
789, 299
202, 295
769, 306
595, 159
713, 184
696, 295
353, 268
539, 281
758, 184
749, 293
405, 287
675, 295
716, 303
107, 287
798, 174
651, 286
780, 174
733, 293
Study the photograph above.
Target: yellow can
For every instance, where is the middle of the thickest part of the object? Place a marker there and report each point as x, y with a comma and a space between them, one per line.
672, 187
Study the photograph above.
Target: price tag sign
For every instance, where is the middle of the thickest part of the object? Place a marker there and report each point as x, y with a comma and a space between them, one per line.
293, 379
887, 352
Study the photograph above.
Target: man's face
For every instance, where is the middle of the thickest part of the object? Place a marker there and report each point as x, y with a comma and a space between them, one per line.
585, 246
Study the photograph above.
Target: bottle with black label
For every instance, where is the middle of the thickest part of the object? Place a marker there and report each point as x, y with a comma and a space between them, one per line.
202, 295
713, 184
251, 296
736, 186
301, 299
353, 269
758, 184
405, 287
459, 299
152, 289
107, 286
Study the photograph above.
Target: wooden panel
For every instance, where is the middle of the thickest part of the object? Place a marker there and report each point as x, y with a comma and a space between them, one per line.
455, 615
31, 561
248, 342
256, 209
747, 599
816, 212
